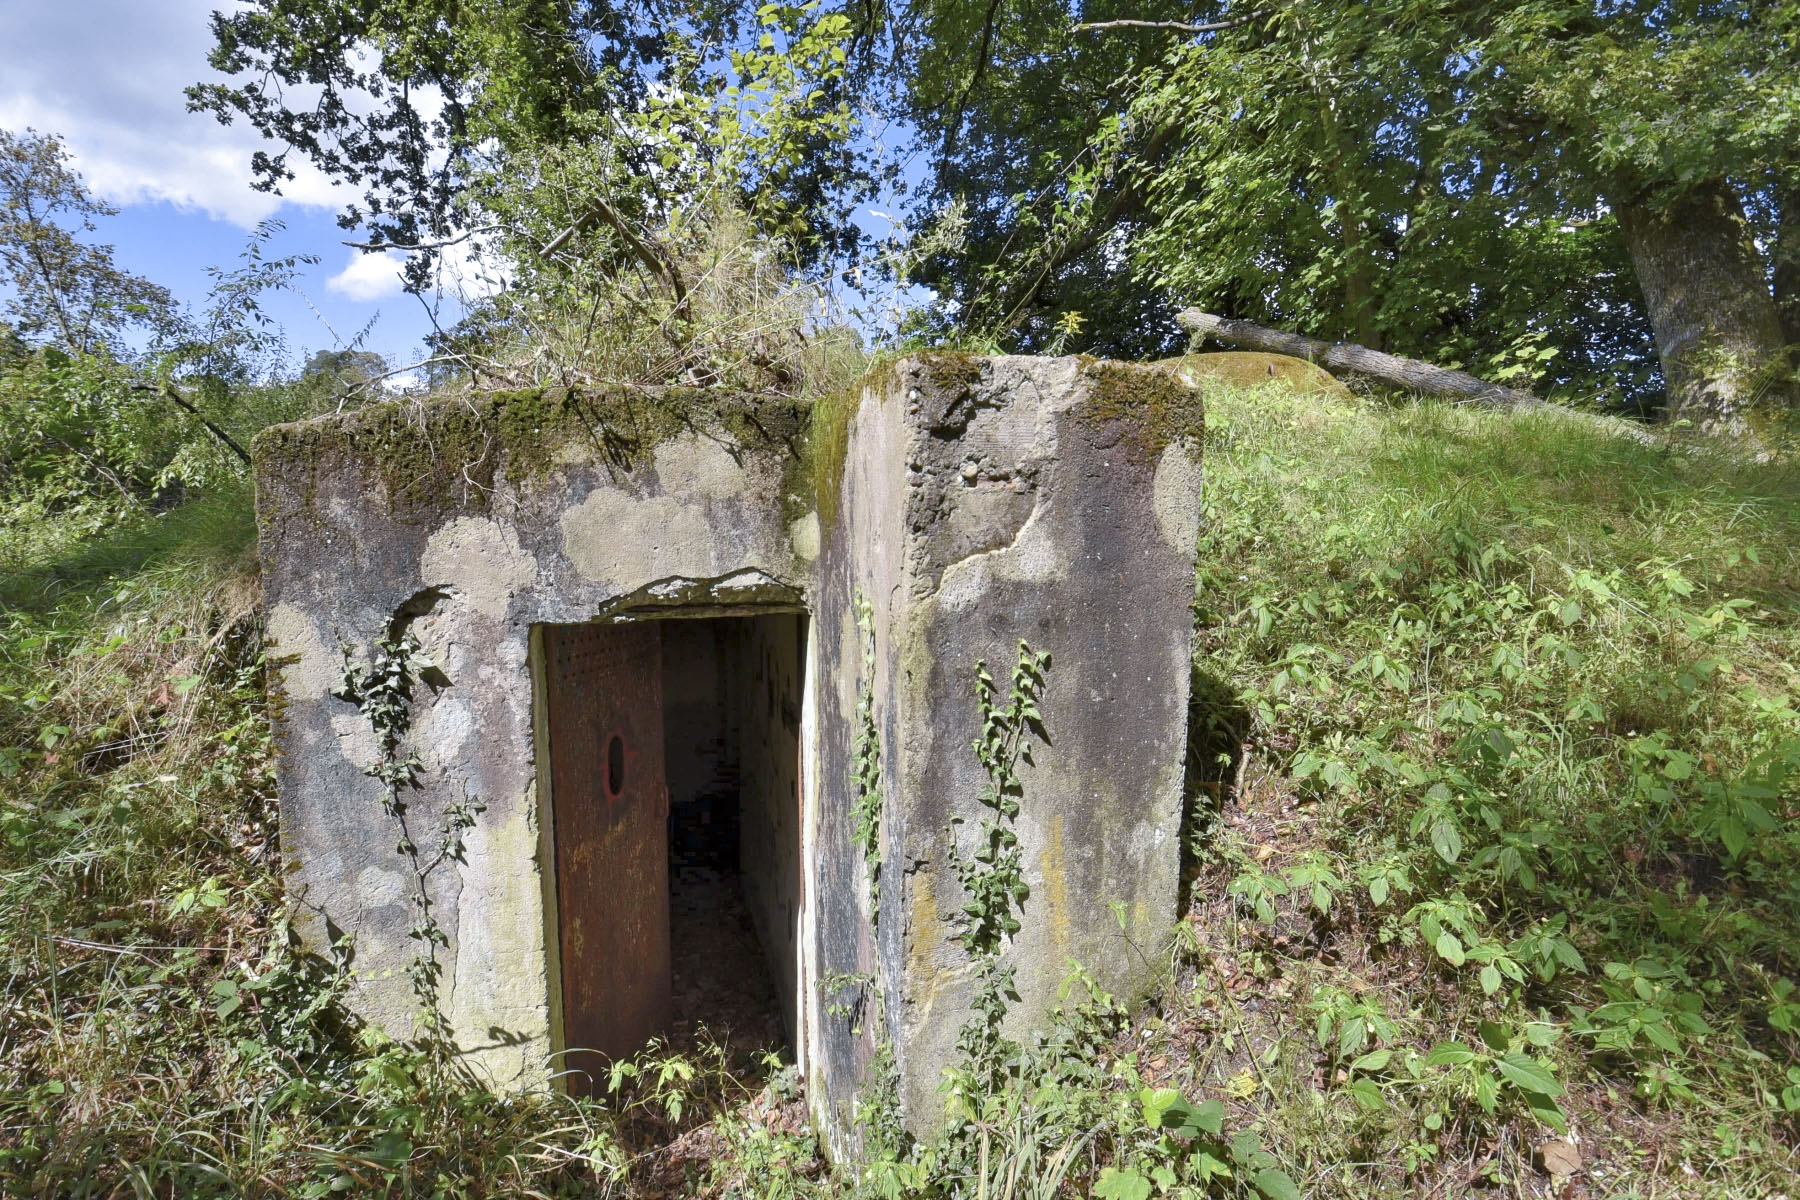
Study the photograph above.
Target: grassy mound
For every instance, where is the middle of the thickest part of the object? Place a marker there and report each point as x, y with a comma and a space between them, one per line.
1245, 369
1498, 872
1495, 880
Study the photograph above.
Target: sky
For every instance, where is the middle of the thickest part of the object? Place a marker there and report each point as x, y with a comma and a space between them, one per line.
108, 77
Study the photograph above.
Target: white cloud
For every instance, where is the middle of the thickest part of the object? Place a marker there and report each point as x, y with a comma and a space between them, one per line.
368, 277
463, 273
108, 76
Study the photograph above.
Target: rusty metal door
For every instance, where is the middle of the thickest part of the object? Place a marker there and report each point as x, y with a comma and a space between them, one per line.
609, 799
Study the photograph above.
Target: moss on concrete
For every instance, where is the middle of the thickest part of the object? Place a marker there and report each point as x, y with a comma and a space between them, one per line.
1248, 368
442, 455
828, 437
1156, 406
827, 445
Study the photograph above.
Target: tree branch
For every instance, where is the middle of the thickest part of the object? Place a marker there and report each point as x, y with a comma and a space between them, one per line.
1177, 26
99, 468
953, 127
364, 385
168, 392
1391, 369
413, 247
646, 254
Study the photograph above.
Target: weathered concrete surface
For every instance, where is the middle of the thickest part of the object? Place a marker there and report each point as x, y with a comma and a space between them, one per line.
985, 502
969, 503
469, 522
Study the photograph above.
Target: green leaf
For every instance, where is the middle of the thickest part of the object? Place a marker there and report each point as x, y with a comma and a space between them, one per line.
1368, 1095
1450, 949
1122, 1185
1276, 1185
1446, 840
1208, 1117
1487, 1091
1548, 1111
1450, 1054
391, 1149
1527, 1074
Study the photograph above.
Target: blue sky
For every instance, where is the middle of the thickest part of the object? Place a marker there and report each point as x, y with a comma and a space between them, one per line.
107, 75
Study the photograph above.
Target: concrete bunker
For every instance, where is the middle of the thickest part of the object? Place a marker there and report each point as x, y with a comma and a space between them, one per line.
668, 769
863, 555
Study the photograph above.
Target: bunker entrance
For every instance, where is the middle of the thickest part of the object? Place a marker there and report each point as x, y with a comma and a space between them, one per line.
674, 800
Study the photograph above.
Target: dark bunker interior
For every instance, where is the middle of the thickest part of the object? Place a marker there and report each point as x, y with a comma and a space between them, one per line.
674, 795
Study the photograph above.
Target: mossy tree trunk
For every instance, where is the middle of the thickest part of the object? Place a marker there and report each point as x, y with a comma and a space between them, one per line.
1787, 265
1717, 330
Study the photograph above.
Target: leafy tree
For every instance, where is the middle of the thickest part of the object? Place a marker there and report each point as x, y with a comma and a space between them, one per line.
436, 109
1014, 111
89, 420
644, 182
340, 368
1541, 187
65, 290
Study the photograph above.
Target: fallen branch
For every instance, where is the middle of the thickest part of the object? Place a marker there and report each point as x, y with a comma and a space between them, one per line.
168, 391
1391, 369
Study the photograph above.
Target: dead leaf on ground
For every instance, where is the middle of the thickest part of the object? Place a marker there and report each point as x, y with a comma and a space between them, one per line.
1558, 1157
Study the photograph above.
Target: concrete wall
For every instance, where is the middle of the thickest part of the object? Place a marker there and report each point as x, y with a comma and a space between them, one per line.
970, 503
984, 502
467, 521
770, 672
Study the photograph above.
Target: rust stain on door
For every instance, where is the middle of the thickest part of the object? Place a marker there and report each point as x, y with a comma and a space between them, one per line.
610, 798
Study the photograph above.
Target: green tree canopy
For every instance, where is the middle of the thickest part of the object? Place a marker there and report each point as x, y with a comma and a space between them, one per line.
1517, 187
65, 288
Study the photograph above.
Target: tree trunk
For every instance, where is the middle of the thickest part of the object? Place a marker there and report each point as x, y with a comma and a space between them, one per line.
1716, 328
1394, 370
1787, 266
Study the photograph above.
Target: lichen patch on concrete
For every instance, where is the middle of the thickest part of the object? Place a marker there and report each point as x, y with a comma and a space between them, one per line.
481, 559
498, 999
1175, 490
677, 541
308, 666
700, 467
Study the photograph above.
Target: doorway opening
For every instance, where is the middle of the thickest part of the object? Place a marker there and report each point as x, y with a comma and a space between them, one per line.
673, 786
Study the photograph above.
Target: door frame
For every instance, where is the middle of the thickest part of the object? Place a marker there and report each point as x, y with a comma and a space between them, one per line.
545, 814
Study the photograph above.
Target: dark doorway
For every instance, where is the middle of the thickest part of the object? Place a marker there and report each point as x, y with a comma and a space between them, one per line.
674, 789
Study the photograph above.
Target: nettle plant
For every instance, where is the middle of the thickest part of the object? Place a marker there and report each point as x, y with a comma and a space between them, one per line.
1564, 783
1191, 1145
